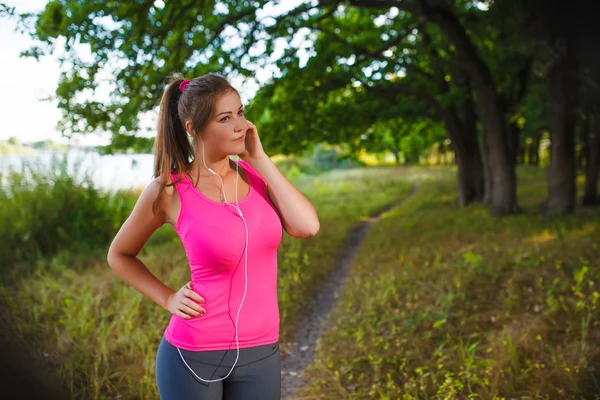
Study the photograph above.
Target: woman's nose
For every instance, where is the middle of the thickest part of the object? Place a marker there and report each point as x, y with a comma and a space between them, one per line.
241, 124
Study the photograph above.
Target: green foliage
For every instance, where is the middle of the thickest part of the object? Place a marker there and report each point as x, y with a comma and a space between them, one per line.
335, 98
47, 211
369, 67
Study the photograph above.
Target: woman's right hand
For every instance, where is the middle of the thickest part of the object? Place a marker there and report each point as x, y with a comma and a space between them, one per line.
182, 302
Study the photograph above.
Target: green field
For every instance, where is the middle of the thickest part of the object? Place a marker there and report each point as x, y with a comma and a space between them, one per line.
449, 303
441, 302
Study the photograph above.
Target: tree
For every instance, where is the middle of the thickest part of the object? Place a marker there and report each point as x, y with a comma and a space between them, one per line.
159, 40
455, 61
564, 33
490, 105
15, 141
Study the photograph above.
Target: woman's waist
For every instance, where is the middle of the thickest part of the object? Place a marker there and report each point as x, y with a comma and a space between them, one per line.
220, 320
224, 302
216, 337
262, 287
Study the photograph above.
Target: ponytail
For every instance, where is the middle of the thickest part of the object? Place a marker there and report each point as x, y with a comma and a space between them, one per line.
172, 148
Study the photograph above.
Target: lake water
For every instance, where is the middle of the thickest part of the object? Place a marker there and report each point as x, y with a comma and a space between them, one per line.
108, 172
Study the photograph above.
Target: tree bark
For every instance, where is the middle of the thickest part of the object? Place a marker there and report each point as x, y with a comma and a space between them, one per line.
561, 100
475, 188
470, 179
590, 195
561, 173
464, 144
487, 171
515, 141
502, 170
462, 132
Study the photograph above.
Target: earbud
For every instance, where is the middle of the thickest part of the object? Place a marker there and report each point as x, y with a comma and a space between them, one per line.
210, 170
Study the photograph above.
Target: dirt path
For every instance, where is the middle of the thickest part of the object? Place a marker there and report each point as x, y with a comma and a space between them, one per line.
303, 344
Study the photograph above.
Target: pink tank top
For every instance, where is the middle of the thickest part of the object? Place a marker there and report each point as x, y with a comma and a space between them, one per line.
214, 236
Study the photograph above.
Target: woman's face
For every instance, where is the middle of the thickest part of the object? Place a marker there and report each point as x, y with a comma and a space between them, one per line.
226, 129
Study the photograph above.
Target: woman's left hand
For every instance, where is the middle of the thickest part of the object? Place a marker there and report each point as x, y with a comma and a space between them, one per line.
254, 149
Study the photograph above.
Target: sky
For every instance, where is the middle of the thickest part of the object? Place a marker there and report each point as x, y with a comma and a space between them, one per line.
24, 81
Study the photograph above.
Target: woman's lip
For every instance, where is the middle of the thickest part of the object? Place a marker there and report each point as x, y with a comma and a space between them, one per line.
238, 139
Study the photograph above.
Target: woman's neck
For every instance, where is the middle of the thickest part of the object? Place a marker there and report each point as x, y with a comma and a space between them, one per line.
222, 166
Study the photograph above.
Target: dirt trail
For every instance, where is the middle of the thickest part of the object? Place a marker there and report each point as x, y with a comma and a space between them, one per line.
303, 344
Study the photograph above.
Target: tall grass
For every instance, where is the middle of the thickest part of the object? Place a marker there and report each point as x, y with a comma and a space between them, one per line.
450, 303
45, 210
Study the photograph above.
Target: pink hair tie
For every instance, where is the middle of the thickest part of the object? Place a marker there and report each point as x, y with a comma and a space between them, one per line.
183, 84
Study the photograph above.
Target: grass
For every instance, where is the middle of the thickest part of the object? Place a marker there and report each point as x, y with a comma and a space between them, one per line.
48, 211
99, 336
450, 303
441, 302
341, 205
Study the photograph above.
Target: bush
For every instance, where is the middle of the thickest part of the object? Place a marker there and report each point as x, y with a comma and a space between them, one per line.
45, 211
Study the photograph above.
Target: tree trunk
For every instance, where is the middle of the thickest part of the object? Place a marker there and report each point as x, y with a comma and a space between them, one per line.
467, 156
396, 153
487, 171
501, 168
464, 146
534, 150
590, 195
476, 177
515, 141
584, 152
503, 177
561, 173
561, 99
470, 179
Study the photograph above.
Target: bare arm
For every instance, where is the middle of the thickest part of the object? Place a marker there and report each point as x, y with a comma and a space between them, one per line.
299, 216
131, 237
123, 251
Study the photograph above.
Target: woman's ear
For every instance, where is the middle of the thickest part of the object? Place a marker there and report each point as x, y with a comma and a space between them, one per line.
188, 128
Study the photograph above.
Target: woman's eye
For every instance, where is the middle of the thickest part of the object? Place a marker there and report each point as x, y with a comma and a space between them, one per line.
223, 119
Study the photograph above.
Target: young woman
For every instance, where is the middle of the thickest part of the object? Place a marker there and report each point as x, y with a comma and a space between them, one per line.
222, 341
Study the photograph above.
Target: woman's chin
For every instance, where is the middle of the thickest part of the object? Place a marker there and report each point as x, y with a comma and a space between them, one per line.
240, 148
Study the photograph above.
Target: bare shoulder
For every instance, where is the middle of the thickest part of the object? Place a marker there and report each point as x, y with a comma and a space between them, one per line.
142, 221
168, 203
250, 169
151, 192
156, 182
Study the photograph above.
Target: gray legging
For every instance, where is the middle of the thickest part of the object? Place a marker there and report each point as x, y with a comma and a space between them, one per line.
257, 373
